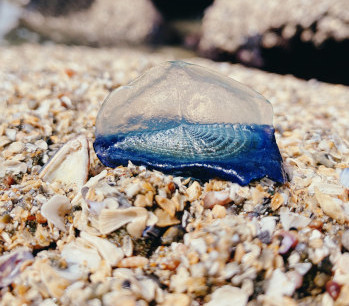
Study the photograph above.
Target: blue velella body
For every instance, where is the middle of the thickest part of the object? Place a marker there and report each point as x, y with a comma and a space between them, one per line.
185, 120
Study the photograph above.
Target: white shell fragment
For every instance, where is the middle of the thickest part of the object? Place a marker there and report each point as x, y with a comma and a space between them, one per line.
289, 220
331, 206
110, 252
112, 219
344, 178
279, 285
55, 209
55, 284
228, 295
13, 166
78, 252
70, 164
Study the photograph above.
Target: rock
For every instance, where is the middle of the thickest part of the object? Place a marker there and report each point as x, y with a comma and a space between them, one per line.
228, 295
9, 14
280, 285
331, 206
241, 27
104, 22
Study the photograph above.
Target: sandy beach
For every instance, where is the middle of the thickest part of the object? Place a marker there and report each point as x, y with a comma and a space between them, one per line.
181, 241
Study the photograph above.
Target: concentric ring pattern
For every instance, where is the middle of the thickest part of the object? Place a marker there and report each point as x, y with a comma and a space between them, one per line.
195, 142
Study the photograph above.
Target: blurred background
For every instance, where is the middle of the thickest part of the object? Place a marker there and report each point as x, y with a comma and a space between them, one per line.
309, 39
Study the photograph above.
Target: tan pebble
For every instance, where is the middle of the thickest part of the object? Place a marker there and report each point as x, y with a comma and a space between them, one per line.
307, 160
215, 185
343, 296
239, 252
193, 257
216, 198
143, 200
146, 186
277, 201
288, 301
321, 279
133, 262
177, 201
166, 204
345, 239
316, 243
194, 191
330, 206
197, 285
278, 261
258, 195
16, 147
132, 189
16, 122
293, 151
219, 211
316, 224
4, 141
53, 282
149, 197
327, 171
164, 219
140, 201
175, 299
170, 235
118, 298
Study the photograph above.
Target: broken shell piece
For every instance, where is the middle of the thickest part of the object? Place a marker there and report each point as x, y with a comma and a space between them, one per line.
78, 252
136, 228
93, 181
13, 166
54, 283
216, 198
164, 219
70, 164
110, 252
127, 246
292, 220
331, 206
55, 209
166, 204
344, 178
112, 219
228, 295
10, 265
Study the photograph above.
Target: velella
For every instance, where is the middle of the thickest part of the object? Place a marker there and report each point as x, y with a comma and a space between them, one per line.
184, 119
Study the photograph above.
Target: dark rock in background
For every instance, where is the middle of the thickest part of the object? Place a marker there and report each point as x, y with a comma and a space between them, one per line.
182, 9
98, 22
308, 38
59, 7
